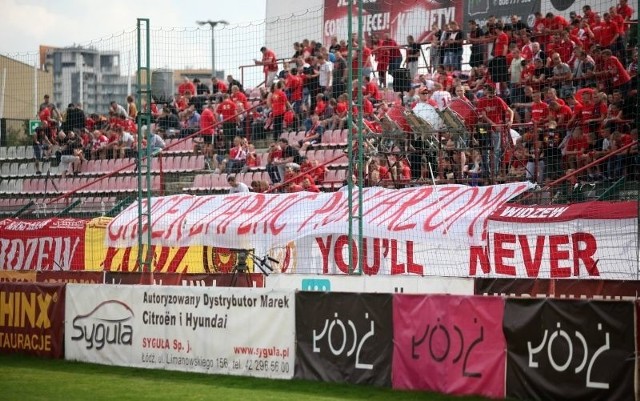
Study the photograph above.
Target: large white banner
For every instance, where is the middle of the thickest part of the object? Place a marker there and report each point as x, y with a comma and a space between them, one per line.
234, 331
437, 214
596, 240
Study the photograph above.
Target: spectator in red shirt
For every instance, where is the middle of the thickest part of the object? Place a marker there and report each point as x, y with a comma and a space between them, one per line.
207, 122
273, 158
321, 105
227, 112
625, 11
366, 58
539, 26
609, 33
238, 96
381, 54
395, 57
340, 113
277, 100
295, 85
308, 185
539, 111
493, 111
498, 68
575, 148
618, 48
270, 65
49, 124
185, 86
371, 91
218, 87
620, 78
588, 114
560, 114
554, 24
588, 14
526, 51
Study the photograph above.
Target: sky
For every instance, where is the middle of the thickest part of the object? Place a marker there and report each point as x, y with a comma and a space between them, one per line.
26, 24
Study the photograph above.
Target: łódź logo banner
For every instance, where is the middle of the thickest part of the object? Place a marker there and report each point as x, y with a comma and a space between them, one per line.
566, 349
449, 344
344, 337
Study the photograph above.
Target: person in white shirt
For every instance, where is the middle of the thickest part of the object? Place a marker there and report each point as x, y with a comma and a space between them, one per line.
326, 74
115, 110
426, 111
156, 143
440, 96
236, 187
127, 145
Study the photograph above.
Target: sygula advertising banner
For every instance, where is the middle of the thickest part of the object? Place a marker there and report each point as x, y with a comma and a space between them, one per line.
449, 344
32, 319
399, 18
209, 330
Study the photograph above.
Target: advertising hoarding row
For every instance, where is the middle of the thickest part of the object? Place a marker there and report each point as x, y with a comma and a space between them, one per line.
490, 346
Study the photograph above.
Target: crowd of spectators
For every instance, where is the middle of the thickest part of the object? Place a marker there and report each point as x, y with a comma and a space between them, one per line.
534, 103
542, 100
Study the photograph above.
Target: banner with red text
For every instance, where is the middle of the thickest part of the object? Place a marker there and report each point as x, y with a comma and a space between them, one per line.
449, 344
438, 215
379, 256
32, 319
596, 240
50, 244
230, 331
399, 18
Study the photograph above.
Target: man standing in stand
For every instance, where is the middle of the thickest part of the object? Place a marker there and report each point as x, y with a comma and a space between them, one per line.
270, 65
497, 118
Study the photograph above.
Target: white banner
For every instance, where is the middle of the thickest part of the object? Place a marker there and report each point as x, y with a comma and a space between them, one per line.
592, 240
329, 255
234, 331
372, 284
436, 214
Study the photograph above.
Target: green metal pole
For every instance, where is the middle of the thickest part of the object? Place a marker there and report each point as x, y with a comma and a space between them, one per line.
637, 126
149, 160
362, 45
140, 133
349, 88
144, 119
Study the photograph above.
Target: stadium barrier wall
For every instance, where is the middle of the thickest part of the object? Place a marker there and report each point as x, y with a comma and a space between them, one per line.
484, 345
371, 284
175, 279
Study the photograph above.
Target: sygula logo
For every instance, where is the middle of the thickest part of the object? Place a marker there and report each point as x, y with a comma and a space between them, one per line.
105, 324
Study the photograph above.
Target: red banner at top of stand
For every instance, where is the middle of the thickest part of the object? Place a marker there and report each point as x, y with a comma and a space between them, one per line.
398, 18
47, 244
555, 213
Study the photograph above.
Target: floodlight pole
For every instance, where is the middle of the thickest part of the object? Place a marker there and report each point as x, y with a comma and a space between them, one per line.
213, 24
